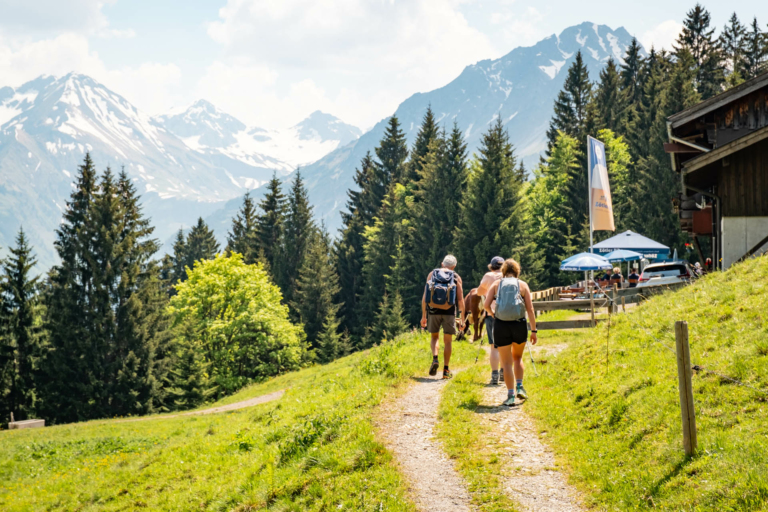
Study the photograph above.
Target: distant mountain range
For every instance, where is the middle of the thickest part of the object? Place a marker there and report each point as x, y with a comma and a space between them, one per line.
200, 161
519, 87
185, 164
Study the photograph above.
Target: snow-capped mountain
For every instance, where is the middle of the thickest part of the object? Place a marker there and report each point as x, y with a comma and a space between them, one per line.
184, 166
208, 130
519, 87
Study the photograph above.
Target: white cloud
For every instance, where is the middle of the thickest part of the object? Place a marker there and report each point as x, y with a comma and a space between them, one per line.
149, 86
51, 17
384, 50
662, 35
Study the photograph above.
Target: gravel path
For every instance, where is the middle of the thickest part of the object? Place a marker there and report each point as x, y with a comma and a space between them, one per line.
406, 427
533, 479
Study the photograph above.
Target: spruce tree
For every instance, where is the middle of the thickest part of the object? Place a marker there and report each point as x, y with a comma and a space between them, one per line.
732, 44
698, 40
389, 320
189, 382
755, 56
201, 244
179, 259
243, 237
630, 73
392, 153
330, 344
299, 231
571, 105
491, 219
608, 97
105, 307
428, 132
21, 340
269, 225
316, 287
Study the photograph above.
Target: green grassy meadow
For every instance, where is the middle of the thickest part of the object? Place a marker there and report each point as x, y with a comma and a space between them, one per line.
610, 402
314, 449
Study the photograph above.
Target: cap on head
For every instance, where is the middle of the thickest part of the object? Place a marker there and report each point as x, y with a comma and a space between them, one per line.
496, 263
449, 261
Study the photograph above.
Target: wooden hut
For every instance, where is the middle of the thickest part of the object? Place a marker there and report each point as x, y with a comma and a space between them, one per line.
719, 148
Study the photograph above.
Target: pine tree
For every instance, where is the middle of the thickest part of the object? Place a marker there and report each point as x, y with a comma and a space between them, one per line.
392, 153
698, 40
299, 231
316, 287
19, 298
428, 132
105, 306
630, 73
178, 270
243, 237
201, 244
189, 383
269, 225
571, 105
429, 213
608, 98
389, 320
491, 218
755, 52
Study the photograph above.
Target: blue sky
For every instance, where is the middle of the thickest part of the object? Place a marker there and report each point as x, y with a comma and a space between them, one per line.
273, 62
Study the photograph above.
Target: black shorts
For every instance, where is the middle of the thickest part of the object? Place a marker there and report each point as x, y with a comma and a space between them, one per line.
507, 333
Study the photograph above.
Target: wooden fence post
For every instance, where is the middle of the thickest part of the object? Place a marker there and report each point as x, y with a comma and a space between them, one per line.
690, 442
623, 305
592, 307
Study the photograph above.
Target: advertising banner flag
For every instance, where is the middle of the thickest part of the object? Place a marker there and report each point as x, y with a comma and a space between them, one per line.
601, 207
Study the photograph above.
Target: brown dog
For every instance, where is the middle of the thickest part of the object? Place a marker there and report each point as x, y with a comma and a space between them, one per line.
474, 307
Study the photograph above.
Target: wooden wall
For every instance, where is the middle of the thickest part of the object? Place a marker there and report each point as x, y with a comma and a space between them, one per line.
743, 182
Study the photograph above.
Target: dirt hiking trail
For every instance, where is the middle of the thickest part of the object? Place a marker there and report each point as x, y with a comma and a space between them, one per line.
532, 478
406, 425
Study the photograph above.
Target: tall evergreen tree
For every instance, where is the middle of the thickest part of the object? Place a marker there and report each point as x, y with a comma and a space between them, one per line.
392, 153
270, 224
755, 56
299, 230
571, 105
317, 286
732, 43
243, 238
608, 97
201, 244
105, 306
330, 344
178, 271
630, 73
698, 39
390, 322
21, 343
491, 219
428, 132
189, 381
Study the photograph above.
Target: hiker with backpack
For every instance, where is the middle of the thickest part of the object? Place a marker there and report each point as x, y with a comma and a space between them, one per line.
510, 329
442, 293
490, 277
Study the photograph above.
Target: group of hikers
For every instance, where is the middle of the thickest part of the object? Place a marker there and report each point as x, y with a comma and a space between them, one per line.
506, 301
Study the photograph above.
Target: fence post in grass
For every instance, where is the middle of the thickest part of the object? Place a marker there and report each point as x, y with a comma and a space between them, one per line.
690, 443
623, 305
592, 307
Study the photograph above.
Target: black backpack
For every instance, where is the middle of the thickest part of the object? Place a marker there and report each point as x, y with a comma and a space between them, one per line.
441, 289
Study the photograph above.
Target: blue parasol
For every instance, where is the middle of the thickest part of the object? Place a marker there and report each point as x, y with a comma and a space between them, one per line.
585, 261
622, 255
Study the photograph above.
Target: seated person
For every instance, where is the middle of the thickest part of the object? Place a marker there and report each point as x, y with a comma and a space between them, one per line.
616, 277
633, 278
605, 280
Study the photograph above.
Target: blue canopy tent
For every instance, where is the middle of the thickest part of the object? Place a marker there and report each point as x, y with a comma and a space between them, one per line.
584, 262
623, 255
631, 241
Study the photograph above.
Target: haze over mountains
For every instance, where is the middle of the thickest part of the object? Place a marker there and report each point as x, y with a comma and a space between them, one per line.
201, 160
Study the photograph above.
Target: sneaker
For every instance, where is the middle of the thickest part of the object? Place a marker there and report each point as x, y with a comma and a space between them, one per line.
509, 402
501, 374
521, 394
447, 374
494, 379
433, 368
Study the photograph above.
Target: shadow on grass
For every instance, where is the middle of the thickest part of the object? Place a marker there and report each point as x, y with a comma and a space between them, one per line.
427, 379
672, 473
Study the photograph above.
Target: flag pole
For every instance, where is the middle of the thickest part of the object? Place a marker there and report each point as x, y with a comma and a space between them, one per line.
589, 200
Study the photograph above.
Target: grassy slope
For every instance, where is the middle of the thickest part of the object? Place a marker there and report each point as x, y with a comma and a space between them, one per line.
617, 423
312, 450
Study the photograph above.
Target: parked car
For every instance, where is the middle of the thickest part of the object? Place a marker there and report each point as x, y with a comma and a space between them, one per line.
666, 273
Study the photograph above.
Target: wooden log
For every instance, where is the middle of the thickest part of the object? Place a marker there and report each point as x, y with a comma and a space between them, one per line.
687, 410
26, 424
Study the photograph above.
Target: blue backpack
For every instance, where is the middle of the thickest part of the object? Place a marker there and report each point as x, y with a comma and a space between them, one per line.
510, 305
441, 289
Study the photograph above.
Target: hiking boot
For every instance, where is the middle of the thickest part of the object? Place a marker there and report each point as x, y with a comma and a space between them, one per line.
447, 374
433, 368
509, 402
494, 379
521, 394
501, 374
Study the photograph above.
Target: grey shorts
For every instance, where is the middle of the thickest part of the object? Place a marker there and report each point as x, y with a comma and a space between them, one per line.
489, 328
447, 322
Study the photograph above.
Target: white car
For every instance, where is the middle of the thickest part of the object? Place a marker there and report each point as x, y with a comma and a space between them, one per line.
666, 273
